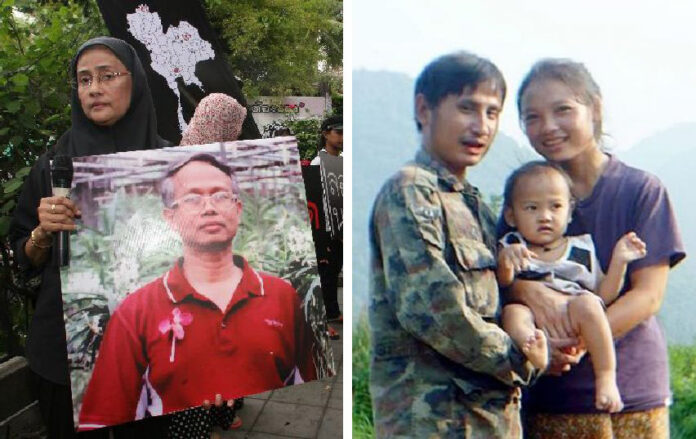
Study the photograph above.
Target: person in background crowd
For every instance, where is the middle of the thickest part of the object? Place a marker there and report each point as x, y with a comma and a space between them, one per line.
331, 258
331, 140
218, 118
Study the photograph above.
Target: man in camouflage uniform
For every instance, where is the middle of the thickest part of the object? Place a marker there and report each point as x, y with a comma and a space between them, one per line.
441, 366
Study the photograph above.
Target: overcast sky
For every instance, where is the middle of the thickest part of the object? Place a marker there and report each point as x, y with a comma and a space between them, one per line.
642, 54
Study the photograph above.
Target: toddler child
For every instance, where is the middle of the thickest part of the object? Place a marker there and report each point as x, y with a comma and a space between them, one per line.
538, 205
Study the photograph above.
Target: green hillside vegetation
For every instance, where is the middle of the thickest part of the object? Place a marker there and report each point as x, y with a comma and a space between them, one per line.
362, 406
682, 374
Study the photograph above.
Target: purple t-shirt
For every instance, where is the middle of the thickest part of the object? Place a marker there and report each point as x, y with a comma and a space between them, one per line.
624, 199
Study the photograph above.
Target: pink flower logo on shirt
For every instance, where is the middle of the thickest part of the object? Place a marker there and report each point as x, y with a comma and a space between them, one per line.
175, 325
271, 322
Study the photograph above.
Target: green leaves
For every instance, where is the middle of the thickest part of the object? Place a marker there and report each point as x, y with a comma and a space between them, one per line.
23, 172
37, 41
8, 195
276, 47
307, 132
4, 225
7, 207
50, 119
20, 81
13, 107
12, 186
683, 383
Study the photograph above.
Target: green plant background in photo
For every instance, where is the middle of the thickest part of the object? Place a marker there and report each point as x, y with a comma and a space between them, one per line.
124, 243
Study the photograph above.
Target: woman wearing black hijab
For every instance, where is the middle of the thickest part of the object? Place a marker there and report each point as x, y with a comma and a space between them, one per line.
112, 111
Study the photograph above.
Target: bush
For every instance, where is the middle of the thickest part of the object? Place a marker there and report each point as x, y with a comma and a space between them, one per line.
307, 132
682, 416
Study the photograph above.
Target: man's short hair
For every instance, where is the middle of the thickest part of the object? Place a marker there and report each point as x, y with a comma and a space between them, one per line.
333, 122
455, 72
167, 185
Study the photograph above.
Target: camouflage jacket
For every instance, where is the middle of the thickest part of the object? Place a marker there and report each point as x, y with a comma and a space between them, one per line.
440, 366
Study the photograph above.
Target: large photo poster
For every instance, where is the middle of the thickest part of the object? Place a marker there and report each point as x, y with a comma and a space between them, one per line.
192, 273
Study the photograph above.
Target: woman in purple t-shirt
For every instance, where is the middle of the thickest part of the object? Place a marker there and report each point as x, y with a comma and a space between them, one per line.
560, 108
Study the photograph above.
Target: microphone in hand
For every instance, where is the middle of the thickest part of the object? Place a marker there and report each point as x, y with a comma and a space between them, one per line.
61, 179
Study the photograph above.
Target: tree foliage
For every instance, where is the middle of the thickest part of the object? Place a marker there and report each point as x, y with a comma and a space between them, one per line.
307, 132
276, 47
35, 51
37, 41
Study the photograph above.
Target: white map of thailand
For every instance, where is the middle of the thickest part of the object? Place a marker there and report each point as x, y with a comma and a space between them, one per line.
174, 53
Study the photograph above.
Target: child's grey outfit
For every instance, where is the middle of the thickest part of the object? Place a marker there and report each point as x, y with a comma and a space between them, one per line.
577, 271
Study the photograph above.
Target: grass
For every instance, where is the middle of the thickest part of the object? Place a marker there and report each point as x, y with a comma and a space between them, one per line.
682, 360
363, 426
682, 365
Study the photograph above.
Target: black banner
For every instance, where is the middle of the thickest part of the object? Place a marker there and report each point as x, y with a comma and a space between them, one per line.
332, 183
315, 206
182, 55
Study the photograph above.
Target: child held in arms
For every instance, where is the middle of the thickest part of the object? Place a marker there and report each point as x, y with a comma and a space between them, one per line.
538, 206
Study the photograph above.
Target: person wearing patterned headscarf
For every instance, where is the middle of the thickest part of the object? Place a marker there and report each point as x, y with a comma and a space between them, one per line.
218, 118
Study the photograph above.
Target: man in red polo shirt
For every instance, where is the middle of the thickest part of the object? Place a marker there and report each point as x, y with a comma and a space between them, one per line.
211, 324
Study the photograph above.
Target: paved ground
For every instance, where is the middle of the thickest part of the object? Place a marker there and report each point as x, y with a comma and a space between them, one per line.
312, 410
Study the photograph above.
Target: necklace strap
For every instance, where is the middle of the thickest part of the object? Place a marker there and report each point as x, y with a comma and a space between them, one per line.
562, 243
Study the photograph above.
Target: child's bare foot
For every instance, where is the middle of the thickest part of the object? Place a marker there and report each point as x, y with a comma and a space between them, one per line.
607, 395
536, 349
